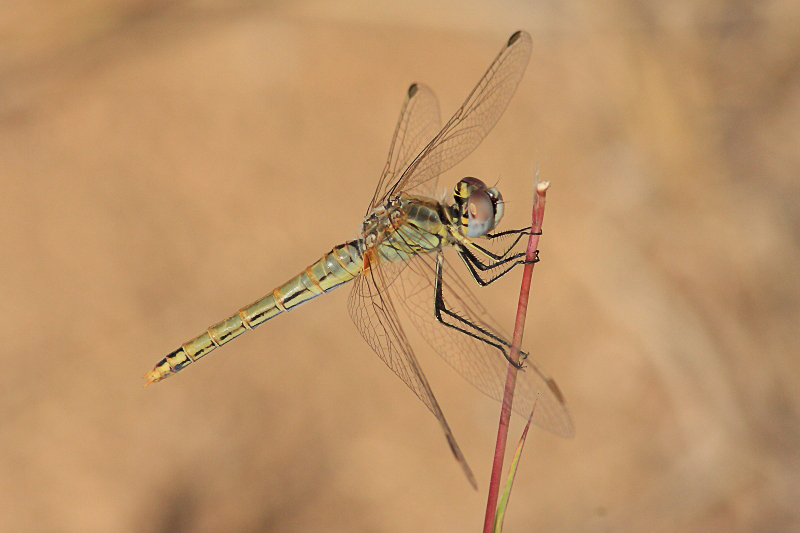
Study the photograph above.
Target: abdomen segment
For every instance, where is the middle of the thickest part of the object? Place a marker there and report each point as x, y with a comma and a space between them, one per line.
335, 268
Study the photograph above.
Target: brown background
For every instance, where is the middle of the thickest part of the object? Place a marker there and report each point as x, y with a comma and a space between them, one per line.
163, 164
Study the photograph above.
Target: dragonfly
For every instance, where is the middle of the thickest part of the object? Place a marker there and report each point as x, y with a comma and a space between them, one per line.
398, 262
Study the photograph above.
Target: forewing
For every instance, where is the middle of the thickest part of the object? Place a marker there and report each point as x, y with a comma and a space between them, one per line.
373, 312
419, 122
479, 363
471, 123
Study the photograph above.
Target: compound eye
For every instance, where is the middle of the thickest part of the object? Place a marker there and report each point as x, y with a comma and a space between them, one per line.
466, 186
480, 213
497, 201
475, 183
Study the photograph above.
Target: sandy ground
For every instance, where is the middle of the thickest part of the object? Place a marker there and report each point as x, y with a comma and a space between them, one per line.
163, 164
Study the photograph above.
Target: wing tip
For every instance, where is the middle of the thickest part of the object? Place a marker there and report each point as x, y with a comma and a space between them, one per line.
451, 441
568, 431
519, 35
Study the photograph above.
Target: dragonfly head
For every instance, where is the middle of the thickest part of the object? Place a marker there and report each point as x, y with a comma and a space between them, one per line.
478, 208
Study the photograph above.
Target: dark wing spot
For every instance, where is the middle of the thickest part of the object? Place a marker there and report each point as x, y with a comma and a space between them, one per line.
513, 38
554, 388
452, 443
414, 88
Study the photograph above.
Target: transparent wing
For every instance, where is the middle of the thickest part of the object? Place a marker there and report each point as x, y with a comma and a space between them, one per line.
419, 122
479, 363
470, 124
372, 309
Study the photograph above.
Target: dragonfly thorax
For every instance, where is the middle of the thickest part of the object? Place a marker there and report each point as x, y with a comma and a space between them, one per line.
405, 226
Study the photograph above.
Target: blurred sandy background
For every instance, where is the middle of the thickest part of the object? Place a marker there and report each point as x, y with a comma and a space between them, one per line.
163, 164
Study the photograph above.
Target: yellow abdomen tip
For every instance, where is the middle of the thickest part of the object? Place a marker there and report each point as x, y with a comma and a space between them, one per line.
152, 377
161, 371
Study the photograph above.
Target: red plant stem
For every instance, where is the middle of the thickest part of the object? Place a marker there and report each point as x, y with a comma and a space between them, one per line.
511, 377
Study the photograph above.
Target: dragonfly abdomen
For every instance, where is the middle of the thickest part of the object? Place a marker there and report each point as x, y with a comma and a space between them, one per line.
340, 265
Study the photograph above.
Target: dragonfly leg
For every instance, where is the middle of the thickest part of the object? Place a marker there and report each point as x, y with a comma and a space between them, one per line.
476, 266
463, 325
520, 232
524, 232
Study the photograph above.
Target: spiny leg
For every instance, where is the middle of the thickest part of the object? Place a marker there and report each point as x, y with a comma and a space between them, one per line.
523, 231
475, 331
518, 232
474, 265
